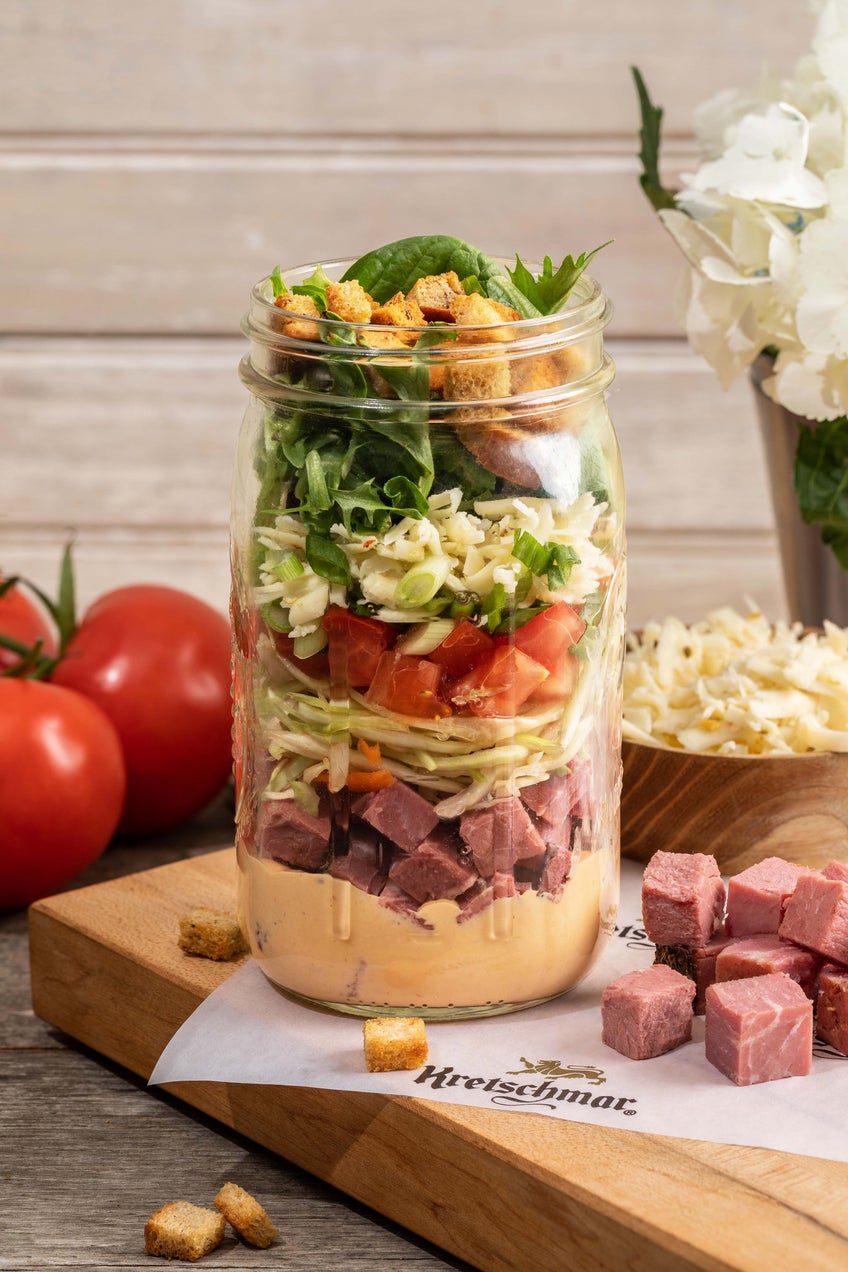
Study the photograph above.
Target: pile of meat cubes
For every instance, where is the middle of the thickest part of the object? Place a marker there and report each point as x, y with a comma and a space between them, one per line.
766, 975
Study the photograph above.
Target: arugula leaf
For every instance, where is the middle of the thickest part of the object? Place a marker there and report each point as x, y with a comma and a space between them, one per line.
649, 154
821, 480
406, 498
315, 286
327, 559
547, 291
277, 283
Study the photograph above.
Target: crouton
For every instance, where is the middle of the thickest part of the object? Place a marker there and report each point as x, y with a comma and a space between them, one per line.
249, 1219
211, 934
305, 307
434, 294
394, 1042
180, 1230
493, 436
535, 374
350, 301
400, 312
473, 379
479, 311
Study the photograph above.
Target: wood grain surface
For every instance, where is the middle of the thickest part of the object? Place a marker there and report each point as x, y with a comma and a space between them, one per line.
505, 1192
87, 1152
738, 809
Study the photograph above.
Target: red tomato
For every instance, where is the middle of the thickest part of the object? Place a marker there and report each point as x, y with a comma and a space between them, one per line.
549, 635
462, 649
356, 645
62, 783
316, 665
157, 661
408, 685
23, 620
561, 680
500, 684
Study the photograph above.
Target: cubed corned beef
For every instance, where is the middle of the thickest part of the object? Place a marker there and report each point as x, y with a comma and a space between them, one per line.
682, 898
551, 799
837, 870
832, 1006
362, 865
395, 898
480, 897
399, 813
433, 872
760, 955
698, 962
500, 835
757, 897
289, 835
759, 1029
816, 916
556, 870
555, 834
648, 1012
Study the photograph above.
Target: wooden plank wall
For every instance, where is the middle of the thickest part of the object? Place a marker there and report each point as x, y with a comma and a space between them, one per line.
155, 160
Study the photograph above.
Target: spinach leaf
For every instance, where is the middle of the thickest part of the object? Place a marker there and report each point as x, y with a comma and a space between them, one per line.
397, 266
821, 480
649, 155
456, 466
327, 559
411, 380
548, 290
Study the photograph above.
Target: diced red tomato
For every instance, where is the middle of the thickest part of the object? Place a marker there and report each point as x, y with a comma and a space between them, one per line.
408, 685
463, 649
500, 684
561, 681
316, 665
549, 635
356, 645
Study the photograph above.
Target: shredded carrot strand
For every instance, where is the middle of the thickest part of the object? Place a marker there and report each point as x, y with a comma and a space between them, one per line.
370, 751
357, 781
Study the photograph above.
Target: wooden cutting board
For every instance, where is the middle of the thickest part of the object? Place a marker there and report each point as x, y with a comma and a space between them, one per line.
505, 1191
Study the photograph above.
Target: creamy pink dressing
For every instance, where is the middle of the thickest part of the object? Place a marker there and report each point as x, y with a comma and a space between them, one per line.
324, 939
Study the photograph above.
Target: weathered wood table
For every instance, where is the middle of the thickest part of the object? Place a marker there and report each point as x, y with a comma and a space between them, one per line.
87, 1152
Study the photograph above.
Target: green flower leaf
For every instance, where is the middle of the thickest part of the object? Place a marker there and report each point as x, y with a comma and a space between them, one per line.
821, 480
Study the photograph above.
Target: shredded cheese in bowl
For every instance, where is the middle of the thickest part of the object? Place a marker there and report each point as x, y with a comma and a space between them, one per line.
734, 685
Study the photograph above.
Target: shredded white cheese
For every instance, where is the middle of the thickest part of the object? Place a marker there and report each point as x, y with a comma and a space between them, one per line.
734, 685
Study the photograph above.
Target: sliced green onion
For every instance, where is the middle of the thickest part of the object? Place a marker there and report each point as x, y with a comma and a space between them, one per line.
423, 638
291, 567
272, 616
421, 583
530, 552
463, 605
277, 281
493, 604
562, 560
523, 583
306, 798
313, 643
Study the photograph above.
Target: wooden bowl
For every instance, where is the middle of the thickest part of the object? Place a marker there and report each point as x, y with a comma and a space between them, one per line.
738, 808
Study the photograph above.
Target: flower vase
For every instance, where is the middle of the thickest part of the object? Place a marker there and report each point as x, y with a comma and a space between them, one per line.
816, 585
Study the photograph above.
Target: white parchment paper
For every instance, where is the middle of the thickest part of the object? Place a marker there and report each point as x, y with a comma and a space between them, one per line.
549, 1060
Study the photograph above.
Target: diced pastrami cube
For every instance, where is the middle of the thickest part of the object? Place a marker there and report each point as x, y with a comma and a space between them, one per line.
555, 834
500, 835
832, 1007
399, 813
291, 836
682, 898
394, 898
433, 872
759, 955
816, 916
551, 799
759, 1029
556, 870
362, 865
476, 899
756, 897
698, 962
647, 1013
837, 870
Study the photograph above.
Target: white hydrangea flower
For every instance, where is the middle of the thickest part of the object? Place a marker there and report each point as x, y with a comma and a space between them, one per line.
822, 315
765, 161
810, 384
830, 44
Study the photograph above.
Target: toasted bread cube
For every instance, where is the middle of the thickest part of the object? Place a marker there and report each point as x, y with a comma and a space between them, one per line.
249, 1219
434, 293
180, 1230
535, 374
493, 436
400, 312
350, 301
394, 1042
302, 305
479, 311
211, 934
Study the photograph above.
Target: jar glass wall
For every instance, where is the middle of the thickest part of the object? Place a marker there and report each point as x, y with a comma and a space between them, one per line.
428, 617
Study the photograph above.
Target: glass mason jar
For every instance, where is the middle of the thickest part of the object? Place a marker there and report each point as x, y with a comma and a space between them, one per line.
428, 616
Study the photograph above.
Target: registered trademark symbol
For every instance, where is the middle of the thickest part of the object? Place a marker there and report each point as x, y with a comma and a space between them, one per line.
628, 1112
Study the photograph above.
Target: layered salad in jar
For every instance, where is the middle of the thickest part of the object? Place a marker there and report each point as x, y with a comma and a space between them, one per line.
428, 610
